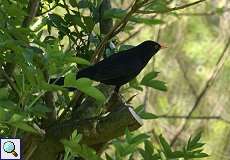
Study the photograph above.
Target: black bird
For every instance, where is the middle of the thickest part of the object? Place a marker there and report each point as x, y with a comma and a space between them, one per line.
119, 68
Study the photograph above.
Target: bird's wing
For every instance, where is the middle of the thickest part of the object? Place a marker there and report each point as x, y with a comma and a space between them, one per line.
115, 67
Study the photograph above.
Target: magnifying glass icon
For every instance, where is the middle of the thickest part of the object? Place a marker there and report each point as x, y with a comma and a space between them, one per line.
9, 147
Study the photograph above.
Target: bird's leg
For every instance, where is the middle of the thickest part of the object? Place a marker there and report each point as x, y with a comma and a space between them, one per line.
116, 92
117, 89
114, 100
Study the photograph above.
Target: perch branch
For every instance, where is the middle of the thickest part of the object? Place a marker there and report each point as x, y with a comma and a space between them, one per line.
96, 131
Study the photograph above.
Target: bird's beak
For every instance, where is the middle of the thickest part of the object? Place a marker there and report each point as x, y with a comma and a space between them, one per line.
163, 46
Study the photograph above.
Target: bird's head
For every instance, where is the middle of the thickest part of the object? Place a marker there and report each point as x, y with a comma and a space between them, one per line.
153, 46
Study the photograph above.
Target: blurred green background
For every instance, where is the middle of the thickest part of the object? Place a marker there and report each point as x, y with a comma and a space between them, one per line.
197, 73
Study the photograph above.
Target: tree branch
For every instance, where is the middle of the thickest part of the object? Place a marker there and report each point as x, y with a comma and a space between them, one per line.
99, 130
203, 13
94, 131
32, 11
115, 30
171, 9
194, 118
130, 36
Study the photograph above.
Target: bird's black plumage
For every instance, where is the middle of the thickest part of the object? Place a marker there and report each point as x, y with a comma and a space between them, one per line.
121, 67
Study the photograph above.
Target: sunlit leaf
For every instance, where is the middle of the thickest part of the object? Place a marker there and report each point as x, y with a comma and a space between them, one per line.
24, 126
160, 85
165, 145
147, 115
84, 85
149, 76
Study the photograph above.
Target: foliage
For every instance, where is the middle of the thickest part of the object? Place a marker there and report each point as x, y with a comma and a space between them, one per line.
130, 146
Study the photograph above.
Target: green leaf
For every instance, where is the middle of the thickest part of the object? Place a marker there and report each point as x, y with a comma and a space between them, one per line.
128, 135
144, 115
200, 155
149, 82
178, 154
89, 23
140, 109
145, 154
24, 126
50, 87
75, 137
57, 20
84, 4
135, 84
108, 157
165, 145
8, 105
147, 115
18, 117
193, 142
156, 84
84, 85
149, 147
149, 76
158, 6
70, 58
196, 138
4, 115
147, 21
4, 93
39, 109
114, 13
80, 60
74, 20
139, 138
73, 3
81, 150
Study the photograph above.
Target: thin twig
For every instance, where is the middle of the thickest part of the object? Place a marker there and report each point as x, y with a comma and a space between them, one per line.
33, 6
171, 9
203, 13
52, 8
130, 36
8, 79
192, 118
